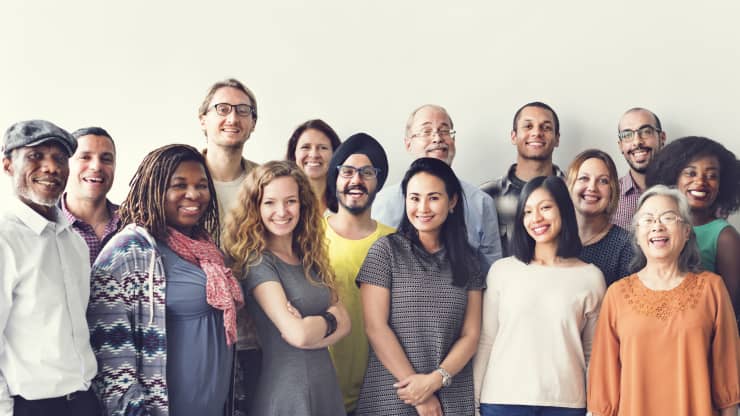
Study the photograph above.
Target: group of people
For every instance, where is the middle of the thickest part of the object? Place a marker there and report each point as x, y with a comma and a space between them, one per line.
305, 286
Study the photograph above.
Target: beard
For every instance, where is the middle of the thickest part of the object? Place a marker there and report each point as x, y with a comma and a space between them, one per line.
23, 191
356, 209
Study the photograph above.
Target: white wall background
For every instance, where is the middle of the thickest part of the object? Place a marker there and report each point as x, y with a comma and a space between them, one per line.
140, 70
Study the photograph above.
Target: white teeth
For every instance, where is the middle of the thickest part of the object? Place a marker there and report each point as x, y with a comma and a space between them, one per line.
590, 198
96, 180
191, 209
47, 183
698, 194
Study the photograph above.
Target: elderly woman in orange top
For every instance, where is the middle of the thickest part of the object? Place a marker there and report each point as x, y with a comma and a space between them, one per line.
666, 342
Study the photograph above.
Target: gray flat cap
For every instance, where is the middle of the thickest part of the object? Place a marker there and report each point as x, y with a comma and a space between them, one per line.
34, 132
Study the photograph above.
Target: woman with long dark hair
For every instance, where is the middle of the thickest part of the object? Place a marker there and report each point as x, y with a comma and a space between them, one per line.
421, 298
539, 312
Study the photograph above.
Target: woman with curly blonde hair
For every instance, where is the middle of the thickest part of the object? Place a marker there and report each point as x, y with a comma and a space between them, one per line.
276, 241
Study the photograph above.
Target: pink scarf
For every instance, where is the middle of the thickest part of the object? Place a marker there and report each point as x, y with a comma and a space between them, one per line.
222, 290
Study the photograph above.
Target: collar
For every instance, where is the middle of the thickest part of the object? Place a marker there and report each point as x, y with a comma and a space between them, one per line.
35, 221
627, 185
512, 180
112, 211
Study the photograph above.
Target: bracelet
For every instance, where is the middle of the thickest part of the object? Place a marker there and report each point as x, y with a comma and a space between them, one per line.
446, 377
331, 323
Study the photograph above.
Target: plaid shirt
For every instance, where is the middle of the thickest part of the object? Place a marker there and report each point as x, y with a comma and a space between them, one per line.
505, 192
86, 230
629, 194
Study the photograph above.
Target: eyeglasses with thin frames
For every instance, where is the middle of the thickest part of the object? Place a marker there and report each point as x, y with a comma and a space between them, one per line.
666, 218
428, 133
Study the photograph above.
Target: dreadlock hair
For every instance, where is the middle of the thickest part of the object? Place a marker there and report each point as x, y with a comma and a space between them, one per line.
245, 235
145, 203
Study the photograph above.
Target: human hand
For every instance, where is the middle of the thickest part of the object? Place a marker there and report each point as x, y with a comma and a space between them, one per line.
293, 311
430, 407
417, 388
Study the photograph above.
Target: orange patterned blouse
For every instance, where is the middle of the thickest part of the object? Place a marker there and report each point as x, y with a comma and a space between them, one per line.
674, 352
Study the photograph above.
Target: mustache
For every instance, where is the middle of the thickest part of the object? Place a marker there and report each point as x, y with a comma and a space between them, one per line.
355, 188
644, 148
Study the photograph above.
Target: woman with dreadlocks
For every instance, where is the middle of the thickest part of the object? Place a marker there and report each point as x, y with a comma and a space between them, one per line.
162, 313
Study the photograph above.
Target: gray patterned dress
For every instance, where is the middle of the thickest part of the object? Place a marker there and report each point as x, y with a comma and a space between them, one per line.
427, 313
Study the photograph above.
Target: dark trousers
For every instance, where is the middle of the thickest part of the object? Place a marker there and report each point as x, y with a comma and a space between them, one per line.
516, 410
249, 363
81, 403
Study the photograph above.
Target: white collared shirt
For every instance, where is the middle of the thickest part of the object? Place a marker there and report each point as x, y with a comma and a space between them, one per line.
44, 290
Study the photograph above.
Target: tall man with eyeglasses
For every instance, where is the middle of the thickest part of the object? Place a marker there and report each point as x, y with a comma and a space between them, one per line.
227, 116
640, 138
357, 171
535, 133
429, 133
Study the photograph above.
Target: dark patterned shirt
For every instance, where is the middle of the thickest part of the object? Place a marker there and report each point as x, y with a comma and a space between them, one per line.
86, 230
612, 254
426, 313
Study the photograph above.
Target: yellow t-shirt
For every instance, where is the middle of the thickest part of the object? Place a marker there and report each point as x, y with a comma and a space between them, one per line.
350, 354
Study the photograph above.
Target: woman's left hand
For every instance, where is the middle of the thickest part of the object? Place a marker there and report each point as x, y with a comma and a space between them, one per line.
415, 389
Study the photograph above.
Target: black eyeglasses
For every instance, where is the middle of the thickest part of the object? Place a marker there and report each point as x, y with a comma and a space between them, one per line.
628, 136
366, 172
242, 110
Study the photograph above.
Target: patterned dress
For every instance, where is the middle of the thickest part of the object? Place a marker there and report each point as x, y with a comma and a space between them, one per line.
426, 314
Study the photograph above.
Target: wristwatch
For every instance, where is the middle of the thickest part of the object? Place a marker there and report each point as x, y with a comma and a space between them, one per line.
331, 323
446, 377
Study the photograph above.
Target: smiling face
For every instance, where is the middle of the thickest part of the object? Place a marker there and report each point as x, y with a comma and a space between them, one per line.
699, 181
640, 152
542, 217
442, 148
280, 207
657, 240
92, 168
313, 152
535, 137
356, 194
39, 174
591, 192
231, 130
187, 196
427, 205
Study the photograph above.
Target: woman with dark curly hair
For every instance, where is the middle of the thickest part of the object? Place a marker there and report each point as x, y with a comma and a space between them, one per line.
709, 175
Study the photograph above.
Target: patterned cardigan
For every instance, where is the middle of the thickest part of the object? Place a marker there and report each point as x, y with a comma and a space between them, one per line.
126, 316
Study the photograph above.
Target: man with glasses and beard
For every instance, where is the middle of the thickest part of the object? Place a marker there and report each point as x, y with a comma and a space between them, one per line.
429, 133
640, 138
536, 134
357, 171
46, 362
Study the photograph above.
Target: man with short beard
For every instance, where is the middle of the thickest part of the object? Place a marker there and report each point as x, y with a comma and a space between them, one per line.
640, 138
357, 171
46, 362
536, 134
430, 133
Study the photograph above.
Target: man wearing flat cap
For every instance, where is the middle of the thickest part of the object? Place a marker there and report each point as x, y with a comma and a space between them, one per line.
357, 171
46, 362
429, 133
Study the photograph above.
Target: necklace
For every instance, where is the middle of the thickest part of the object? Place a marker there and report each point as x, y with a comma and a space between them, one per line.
596, 237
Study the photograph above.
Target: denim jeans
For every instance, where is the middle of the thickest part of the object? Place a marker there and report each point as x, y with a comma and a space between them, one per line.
516, 410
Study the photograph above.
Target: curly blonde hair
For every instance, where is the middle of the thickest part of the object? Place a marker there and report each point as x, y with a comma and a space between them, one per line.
245, 235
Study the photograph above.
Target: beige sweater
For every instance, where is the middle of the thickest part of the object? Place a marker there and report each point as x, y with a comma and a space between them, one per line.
538, 324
